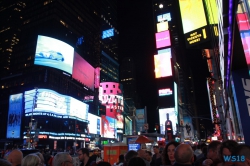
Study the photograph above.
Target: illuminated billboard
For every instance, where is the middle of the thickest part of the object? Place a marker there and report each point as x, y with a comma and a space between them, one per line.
162, 39
108, 127
212, 11
166, 50
242, 20
192, 15
94, 124
163, 118
97, 77
54, 53
163, 67
197, 36
165, 92
164, 17
14, 116
107, 33
140, 119
128, 126
50, 103
83, 71
245, 39
162, 26
188, 127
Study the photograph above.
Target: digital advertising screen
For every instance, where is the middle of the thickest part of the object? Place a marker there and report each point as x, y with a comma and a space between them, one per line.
188, 127
94, 124
242, 21
166, 50
14, 116
54, 53
128, 126
108, 33
164, 17
163, 67
108, 127
50, 103
245, 39
140, 119
192, 15
83, 71
162, 39
134, 147
197, 36
172, 117
162, 26
97, 77
165, 92
212, 11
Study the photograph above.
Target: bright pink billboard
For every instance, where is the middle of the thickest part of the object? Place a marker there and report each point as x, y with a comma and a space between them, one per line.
162, 39
83, 71
242, 20
97, 77
163, 67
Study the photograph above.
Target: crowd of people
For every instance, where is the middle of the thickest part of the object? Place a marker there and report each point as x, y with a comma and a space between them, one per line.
227, 153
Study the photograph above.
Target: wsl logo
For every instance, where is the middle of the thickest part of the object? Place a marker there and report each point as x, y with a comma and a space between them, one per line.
234, 158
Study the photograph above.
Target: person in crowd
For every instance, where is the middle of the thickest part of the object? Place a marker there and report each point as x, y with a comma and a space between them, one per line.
15, 157
103, 163
227, 149
213, 155
168, 153
96, 157
156, 159
31, 160
148, 156
41, 157
4, 162
201, 157
62, 159
83, 155
142, 154
121, 161
198, 151
183, 155
244, 152
129, 155
136, 161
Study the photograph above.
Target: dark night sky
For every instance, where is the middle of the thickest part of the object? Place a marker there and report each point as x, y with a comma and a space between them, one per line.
136, 39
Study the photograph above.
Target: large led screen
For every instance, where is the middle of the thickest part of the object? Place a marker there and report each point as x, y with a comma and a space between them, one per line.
162, 39
164, 17
212, 11
140, 119
107, 33
165, 92
242, 20
192, 15
128, 127
162, 26
172, 117
94, 124
83, 71
50, 103
188, 127
14, 116
108, 127
163, 67
54, 53
245, 39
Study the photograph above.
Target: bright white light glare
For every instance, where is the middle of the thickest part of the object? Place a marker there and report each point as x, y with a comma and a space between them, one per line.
161, 6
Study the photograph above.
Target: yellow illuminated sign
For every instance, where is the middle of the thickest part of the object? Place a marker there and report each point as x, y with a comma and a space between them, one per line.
192, 15
198, 36
163, 26
212, 11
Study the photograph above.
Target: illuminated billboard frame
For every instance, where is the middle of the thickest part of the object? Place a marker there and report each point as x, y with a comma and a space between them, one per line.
54, 53
192, 15
163, 65
162, 39
172, 117
47, 102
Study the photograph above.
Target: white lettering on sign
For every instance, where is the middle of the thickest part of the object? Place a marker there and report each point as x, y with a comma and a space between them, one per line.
110, 99
246, 86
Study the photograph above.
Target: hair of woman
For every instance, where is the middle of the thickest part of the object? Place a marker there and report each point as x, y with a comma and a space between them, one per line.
165, 158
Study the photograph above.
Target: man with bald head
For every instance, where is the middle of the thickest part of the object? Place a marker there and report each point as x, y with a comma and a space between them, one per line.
184, 155
15, 157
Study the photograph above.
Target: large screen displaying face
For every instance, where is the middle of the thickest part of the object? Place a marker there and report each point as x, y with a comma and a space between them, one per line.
172, 117
108, 127
83, 71
14, 116
162, 39
54, 53
192, 15
163, 67
94, 124
50, 103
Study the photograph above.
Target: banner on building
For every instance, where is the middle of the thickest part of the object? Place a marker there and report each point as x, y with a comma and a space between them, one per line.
188, 127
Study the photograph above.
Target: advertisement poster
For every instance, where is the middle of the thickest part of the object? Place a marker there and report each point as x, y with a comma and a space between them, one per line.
54, 53
51, 103
94, 124
162, 39
163, 67
163, 118
188, 127
128, 126
14, 116
140, 120
83, 71
108, 127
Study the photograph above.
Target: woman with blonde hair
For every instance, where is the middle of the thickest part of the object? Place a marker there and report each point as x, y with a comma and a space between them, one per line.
31, 160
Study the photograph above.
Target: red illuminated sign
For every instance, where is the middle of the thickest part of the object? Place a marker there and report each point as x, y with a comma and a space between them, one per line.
162, 39
242, 21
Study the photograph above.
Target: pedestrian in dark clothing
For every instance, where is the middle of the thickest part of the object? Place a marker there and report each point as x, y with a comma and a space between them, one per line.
156, 159
184, 155
136, 161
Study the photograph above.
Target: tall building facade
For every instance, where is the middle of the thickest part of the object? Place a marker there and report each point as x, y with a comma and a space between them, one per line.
88, 27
